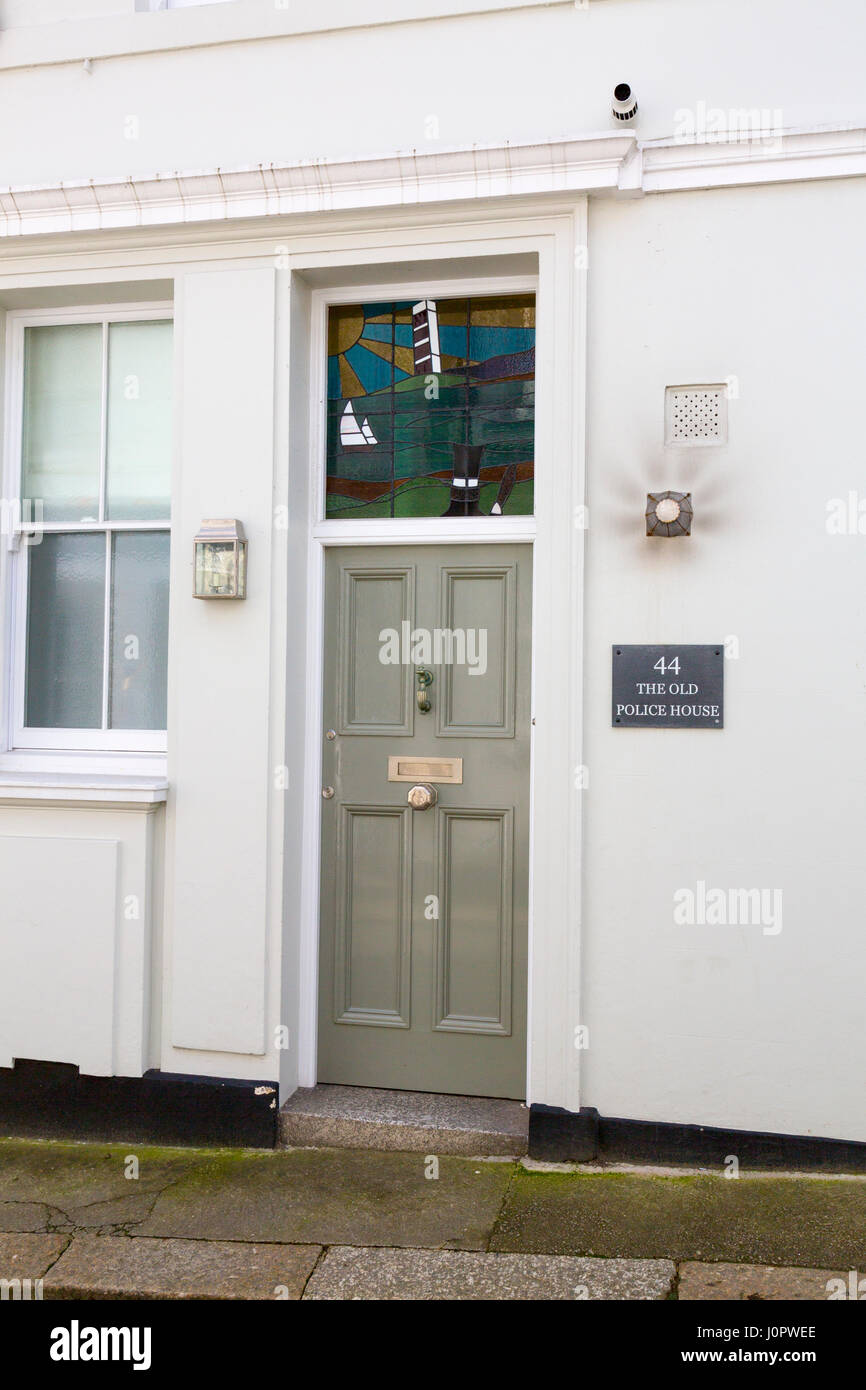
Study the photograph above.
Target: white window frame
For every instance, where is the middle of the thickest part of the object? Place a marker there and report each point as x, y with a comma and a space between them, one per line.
19, 738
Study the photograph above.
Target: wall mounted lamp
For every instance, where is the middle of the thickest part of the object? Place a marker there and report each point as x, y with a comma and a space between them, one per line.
220, 560
669, 514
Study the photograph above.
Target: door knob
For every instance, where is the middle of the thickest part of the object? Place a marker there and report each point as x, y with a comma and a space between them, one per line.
421, 797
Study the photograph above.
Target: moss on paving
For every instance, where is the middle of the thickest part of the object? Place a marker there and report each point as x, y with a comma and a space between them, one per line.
805, 1221
327, 1196
335, 1197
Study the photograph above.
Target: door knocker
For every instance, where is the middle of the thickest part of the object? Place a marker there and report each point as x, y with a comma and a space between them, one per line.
423, 679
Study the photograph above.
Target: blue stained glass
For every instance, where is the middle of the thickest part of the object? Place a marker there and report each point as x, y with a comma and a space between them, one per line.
373, 372
333, 377
381, 333
376, 311
485, 342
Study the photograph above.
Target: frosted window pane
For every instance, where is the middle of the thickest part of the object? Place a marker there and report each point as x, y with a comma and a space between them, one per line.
139, 630
139, 421
65, 630
63, 419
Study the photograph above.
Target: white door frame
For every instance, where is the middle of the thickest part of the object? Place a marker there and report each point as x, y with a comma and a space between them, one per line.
554, 896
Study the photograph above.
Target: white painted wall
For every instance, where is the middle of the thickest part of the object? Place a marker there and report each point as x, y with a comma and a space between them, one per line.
515, 74
218, 697
726, 1025
17, 14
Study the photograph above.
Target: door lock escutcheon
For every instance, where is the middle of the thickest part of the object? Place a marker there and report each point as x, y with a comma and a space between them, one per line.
421, 797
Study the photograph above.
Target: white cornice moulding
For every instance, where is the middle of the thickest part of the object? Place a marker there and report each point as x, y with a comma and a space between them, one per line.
322, 185
611, 163
820, 153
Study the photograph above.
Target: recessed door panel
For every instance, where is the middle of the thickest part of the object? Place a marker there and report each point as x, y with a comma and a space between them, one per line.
375, 691
371, 979
478, 667
474, 955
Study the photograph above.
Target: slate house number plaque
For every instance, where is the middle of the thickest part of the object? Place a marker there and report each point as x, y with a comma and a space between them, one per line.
668, 687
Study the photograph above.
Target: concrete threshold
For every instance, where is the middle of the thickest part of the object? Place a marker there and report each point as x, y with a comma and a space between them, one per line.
359, 1117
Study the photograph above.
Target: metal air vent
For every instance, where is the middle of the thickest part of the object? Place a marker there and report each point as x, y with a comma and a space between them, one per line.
696, 415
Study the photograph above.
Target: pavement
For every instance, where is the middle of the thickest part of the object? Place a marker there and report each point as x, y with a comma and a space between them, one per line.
101, 1221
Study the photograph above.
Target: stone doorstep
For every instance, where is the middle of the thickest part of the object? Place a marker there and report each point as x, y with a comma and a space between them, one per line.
358, 1117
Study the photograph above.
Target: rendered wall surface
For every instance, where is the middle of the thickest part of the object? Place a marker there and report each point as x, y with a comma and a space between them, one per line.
729, 1025
218, 698
518, 75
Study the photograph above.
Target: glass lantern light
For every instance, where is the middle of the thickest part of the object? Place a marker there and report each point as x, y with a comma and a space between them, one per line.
220, 560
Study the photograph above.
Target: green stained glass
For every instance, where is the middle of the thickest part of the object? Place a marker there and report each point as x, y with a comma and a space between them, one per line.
431, 408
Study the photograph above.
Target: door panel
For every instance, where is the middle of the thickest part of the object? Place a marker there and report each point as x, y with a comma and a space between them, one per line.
478, 602
372, 948
474, 937
374, 698
423, 912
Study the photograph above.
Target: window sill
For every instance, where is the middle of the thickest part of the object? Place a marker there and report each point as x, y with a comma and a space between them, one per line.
132, 780
91, 789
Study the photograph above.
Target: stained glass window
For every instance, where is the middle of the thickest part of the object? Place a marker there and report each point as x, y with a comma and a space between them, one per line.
431, 407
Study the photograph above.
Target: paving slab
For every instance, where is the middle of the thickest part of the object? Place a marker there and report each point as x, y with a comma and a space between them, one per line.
424, 1275
133, 1267
85, 1185
334, 1197
757, 1282
815, 1223
28, 1256
361, 1117
24, 1216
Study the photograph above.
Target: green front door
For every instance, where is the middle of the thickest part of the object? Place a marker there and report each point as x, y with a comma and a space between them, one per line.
424, 908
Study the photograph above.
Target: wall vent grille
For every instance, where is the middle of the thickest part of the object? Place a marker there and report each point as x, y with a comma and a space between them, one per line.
696, 415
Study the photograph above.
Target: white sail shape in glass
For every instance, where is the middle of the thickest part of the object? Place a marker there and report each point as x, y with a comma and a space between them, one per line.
353, 435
